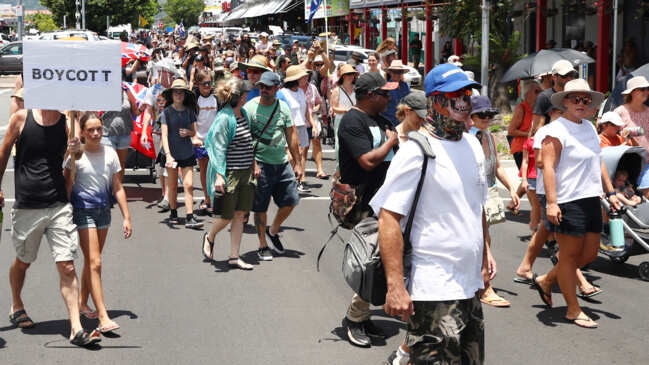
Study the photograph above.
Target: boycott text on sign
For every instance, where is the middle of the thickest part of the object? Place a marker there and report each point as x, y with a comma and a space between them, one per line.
72, 75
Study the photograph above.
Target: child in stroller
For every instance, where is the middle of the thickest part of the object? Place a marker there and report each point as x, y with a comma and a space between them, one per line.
624, 190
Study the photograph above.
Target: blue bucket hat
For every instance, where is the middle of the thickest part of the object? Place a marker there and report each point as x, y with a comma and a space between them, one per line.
482, 104
447, 78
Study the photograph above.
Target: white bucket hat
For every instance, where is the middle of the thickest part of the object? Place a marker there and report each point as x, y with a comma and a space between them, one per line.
611, 117
577, 86
635, 83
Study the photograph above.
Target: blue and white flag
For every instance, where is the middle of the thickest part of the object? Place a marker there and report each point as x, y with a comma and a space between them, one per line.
315, 4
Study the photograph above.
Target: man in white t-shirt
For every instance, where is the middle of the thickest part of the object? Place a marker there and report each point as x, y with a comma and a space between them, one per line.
449, 250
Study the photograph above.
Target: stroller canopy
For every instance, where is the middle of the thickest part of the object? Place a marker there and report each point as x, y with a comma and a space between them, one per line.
629, 158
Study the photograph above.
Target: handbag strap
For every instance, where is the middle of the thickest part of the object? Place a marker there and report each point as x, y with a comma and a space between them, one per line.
254, 148
423, 143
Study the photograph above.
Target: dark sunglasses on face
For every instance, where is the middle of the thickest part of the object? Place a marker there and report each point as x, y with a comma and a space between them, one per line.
456, 94
569, 75
380, 92
483, 115
206, 83
267, 87
586, 100
253, 71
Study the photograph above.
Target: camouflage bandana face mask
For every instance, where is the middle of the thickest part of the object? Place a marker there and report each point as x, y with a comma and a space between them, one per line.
449, 127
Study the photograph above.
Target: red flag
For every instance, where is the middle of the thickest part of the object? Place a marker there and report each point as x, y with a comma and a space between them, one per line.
147, 149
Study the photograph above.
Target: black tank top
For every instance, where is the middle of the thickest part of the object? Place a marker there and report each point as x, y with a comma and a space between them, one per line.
38, 173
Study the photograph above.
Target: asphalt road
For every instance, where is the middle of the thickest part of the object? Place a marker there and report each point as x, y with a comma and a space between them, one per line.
174, 308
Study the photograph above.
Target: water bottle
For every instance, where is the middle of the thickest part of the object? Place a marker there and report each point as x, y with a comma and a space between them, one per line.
616, 229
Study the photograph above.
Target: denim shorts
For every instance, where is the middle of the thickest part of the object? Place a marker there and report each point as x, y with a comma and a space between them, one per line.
277, 181
117, 142
578, 217
92, 217
531, 183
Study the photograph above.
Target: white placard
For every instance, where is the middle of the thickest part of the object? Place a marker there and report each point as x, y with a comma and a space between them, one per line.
72, 75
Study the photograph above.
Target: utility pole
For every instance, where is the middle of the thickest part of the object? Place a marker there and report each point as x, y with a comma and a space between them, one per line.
484, 60
77, 14
20, 20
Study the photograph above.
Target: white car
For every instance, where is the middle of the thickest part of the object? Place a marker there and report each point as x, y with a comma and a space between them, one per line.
70, 34
4, 39
413, 77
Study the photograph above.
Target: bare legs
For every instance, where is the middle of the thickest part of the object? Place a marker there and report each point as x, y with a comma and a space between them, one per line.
202, 166
172, 188
92, 242
261, 220
316, 148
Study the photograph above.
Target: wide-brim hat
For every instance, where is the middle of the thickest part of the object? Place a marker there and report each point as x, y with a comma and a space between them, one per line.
635, 83
295, 72
347, 69
178, 84
577, 86
397, 65
257, 61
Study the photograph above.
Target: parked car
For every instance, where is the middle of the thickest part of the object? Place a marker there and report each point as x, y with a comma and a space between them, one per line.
71, 34
4, 39
11, 58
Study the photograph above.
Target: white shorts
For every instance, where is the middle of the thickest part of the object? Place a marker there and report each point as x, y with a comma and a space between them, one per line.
303, 136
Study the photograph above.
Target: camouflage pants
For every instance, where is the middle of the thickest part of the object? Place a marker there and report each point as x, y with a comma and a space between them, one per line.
447, 332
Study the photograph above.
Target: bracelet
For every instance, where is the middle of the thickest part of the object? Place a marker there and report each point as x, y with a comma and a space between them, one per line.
610, 194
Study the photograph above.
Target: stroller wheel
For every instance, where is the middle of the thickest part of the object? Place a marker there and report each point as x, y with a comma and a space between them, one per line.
619, 260
643, 271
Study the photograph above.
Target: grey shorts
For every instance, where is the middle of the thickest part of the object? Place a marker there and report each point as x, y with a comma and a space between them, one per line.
55, 223
117, 142
303, 136
446, 332
278, 182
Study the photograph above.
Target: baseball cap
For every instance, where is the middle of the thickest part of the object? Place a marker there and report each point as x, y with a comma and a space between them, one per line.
563, 67
611, 117
447, 78
482, 104
269, 78
371, 81
416, 100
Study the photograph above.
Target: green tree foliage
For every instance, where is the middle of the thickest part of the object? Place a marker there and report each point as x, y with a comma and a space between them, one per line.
42, 22
186, 11
120, 12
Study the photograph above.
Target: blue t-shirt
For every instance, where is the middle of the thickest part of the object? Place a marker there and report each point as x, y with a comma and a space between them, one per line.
395, 97
253, 94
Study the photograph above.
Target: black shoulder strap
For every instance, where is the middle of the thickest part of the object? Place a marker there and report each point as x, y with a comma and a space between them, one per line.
423, 143
270, 118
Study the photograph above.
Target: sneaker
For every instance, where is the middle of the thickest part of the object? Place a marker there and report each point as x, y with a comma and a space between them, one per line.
264, 254
373, 330
396, 359
193, 223
274, 242
356, 333
301, 187
164, 205
173, 218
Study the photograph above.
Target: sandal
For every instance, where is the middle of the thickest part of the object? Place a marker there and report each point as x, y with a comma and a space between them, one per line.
208, 256
545, 297
322, 176
83, 338
583, 321
236, 262
89, 314
590, 292
20, 319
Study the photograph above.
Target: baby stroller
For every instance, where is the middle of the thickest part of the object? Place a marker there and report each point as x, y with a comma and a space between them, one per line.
635, 219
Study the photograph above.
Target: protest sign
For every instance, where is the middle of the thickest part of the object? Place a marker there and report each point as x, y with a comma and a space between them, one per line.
72, 75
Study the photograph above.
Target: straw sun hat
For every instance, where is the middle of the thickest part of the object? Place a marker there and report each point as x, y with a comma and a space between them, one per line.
577, 86
295, 72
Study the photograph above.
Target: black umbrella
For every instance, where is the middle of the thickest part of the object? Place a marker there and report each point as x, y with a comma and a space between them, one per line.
541, 62
616, 99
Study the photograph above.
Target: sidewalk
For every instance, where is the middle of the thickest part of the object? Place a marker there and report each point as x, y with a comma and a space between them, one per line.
7, 81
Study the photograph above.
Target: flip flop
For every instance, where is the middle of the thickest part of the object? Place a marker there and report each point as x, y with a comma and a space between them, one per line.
236, 262
323, 176
545, 297
583, 321
211, 255
83, 338
522, 280
112, 326
89, 314
594, 290
495, 301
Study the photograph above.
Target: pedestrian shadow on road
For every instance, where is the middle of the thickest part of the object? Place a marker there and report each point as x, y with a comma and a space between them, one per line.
552, 317
389, 325
2, 343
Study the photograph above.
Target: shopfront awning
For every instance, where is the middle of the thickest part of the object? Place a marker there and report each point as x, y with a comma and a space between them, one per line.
237, 13
377, 4
269, 7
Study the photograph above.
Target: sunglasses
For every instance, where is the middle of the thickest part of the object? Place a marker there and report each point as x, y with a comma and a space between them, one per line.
318, 64
483, 115
380, 92
456, 94
253, 71
264, 86
569, 75
206, 83
586, 100
643, 88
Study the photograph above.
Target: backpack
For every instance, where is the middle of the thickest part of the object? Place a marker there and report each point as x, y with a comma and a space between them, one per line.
362, 266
